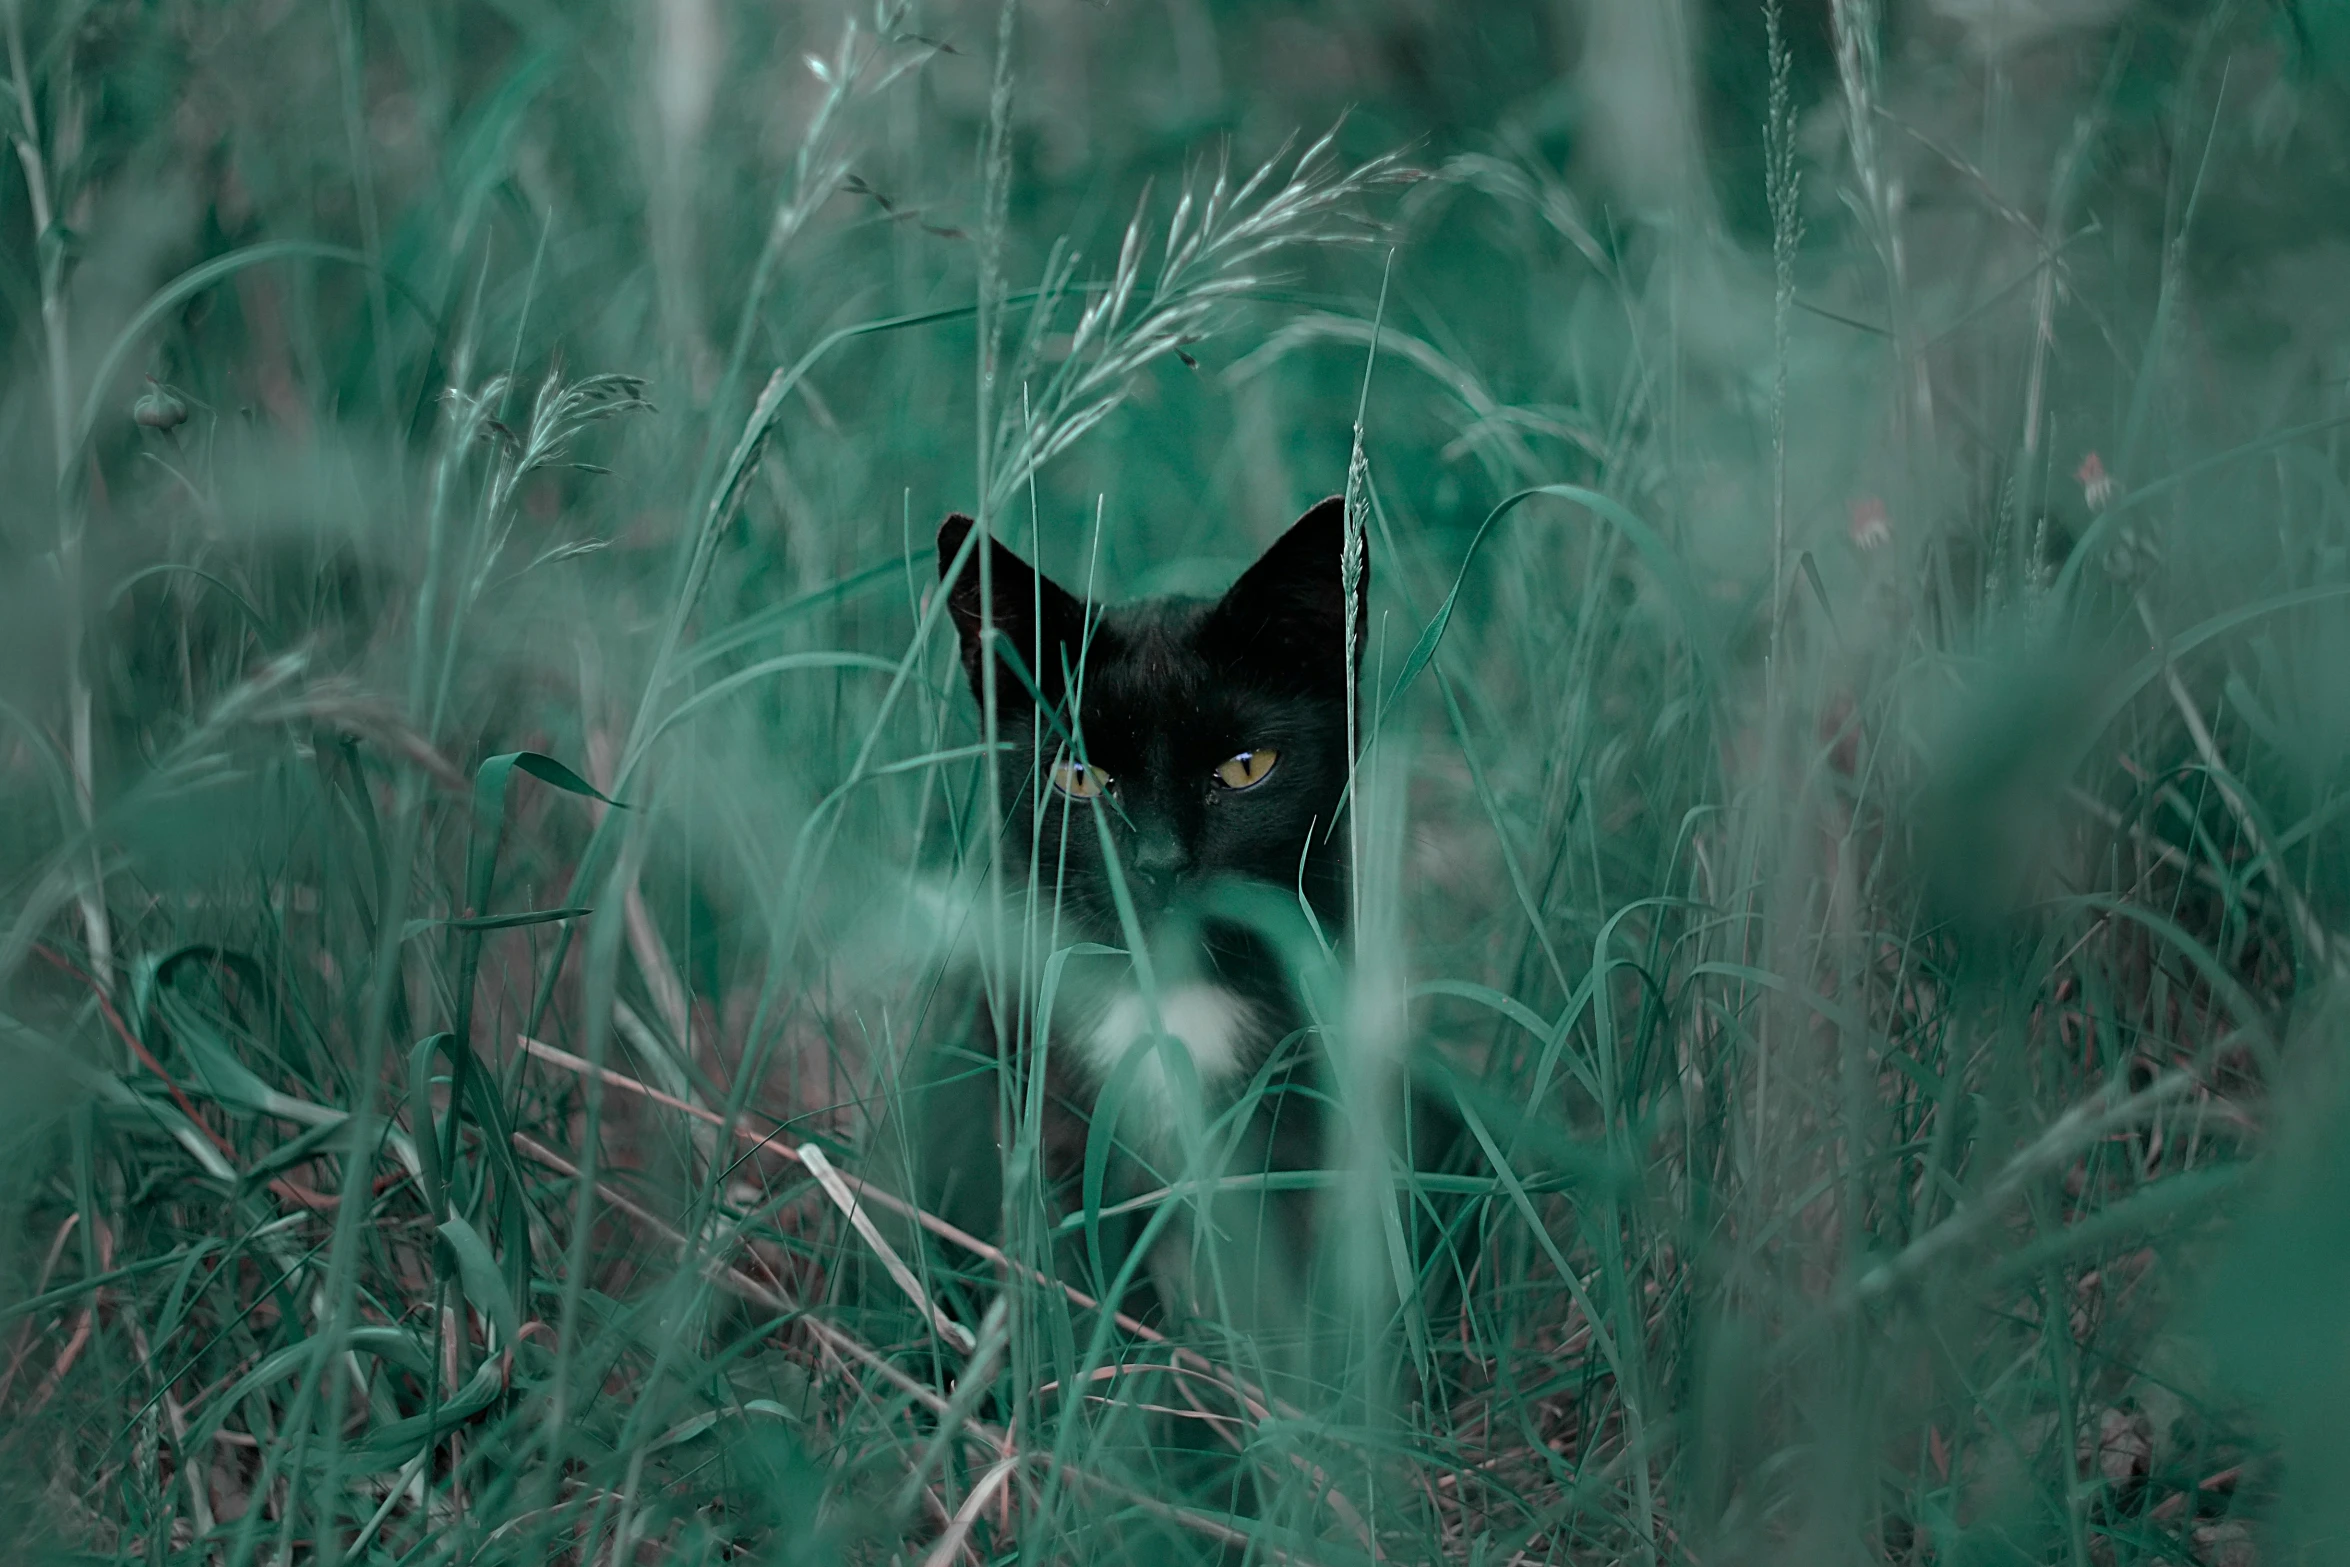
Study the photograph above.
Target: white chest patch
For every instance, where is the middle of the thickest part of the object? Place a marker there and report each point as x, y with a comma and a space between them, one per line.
1209, 1022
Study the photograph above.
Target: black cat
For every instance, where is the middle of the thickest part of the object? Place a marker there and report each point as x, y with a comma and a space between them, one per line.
1179, 752
1172, 777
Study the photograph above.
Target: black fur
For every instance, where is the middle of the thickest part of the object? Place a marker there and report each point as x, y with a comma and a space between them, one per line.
1158, 694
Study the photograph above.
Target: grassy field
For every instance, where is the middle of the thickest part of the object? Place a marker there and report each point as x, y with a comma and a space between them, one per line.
1856, 805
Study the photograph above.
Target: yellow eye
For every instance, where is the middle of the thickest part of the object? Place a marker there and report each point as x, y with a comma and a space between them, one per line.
1078, 781
1247, 769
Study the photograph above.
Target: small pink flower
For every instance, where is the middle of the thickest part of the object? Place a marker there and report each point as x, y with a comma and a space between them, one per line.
1871, 528
2096, 483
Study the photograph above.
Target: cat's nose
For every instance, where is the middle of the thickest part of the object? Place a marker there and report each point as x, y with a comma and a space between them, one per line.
1159, 856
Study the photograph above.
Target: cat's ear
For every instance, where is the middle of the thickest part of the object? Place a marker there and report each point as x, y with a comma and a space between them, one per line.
1043, 623
1287, 613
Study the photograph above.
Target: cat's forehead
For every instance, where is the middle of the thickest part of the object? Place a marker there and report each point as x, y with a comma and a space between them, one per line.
1149, 675
1149, 655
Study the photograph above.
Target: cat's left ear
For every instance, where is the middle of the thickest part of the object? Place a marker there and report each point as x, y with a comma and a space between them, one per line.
1041, 621
1287, 613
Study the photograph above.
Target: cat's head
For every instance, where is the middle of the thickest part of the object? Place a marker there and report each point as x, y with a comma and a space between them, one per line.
1199, 742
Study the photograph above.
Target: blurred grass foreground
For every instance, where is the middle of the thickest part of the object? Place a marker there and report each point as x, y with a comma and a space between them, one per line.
485, 800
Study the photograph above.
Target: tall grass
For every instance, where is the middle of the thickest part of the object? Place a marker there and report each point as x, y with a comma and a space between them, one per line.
1850, 815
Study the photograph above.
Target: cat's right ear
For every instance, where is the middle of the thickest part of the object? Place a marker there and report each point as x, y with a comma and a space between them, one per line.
1041, 622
